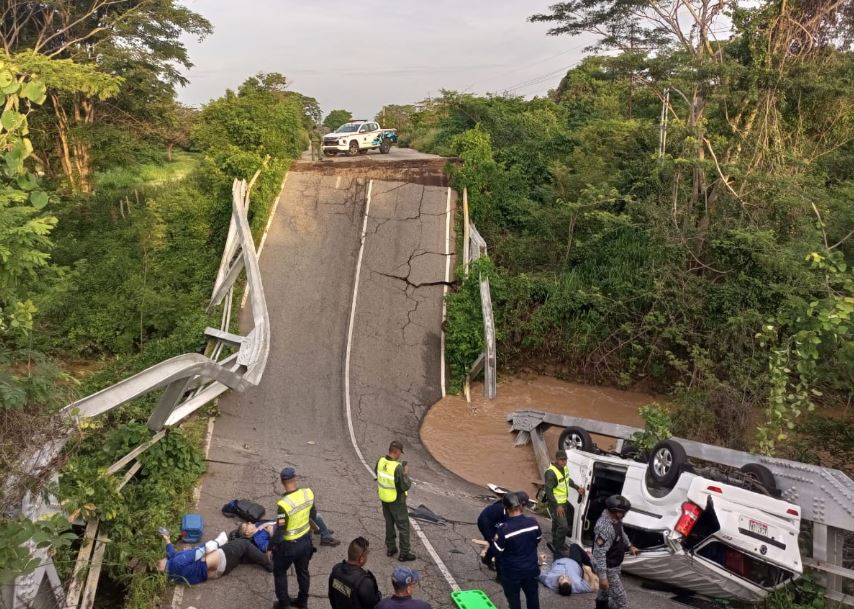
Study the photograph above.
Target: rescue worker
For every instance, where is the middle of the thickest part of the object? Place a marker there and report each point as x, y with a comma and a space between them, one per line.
291, 542
316, 139
351, 586
516, 542
489, 518
556, 498
610, 544
393, 483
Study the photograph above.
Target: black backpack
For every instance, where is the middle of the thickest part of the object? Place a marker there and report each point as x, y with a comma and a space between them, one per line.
244, 509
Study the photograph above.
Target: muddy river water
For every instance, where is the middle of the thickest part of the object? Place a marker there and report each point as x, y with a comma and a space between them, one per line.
473, 440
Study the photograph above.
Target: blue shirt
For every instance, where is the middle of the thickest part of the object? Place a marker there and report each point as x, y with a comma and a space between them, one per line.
569, 568
186, 566
489, 518
261, 539
516, 542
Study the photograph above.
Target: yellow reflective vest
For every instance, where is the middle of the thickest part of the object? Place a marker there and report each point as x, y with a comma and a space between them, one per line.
561, 489
295, 509
386, 488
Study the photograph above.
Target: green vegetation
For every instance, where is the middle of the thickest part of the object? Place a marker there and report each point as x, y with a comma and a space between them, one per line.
715, 265
336, 118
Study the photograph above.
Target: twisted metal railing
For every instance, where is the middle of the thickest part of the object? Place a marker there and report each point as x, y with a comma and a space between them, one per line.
189, 381
474, 246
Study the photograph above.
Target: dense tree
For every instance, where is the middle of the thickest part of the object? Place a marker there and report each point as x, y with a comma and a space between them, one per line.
139, 39
336, 118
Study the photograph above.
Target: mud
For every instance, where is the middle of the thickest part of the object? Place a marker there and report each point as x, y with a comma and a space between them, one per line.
473, 440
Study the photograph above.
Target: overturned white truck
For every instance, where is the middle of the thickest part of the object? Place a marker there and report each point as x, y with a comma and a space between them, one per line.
724, 530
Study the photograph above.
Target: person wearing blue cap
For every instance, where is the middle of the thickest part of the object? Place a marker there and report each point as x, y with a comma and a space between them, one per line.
291, 542
403, 580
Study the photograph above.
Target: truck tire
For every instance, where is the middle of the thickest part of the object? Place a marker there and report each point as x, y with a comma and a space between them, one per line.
385, 146
666, 463
575, 438
353, 150
761, 475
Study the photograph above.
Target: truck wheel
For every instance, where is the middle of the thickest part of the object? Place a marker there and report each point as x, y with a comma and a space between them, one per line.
385, 146
761, 475
354, 148
666, 462
575, 438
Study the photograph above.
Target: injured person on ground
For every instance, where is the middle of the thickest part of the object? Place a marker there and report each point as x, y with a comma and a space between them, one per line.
212, 559
572, 574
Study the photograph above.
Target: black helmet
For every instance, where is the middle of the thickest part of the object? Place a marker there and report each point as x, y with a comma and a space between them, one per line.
618, 503
511, 501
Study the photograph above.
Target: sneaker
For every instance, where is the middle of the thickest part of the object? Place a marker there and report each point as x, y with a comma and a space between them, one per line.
331, 542
391, 553
406, 557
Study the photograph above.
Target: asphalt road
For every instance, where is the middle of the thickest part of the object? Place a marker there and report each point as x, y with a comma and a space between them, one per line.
298, 415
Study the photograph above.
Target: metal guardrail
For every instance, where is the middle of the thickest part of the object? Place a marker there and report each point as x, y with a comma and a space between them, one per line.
189, 381
825, 495
474, 246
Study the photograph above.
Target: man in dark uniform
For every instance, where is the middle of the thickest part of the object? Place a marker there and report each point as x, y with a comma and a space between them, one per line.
351, 586
489, 518
556, 498
291, 542
516, 543
610, 544
392, 485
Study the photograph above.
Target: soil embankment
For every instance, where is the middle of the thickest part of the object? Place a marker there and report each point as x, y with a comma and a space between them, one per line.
473, 441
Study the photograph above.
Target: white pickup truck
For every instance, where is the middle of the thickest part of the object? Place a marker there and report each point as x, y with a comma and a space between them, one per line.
356, 137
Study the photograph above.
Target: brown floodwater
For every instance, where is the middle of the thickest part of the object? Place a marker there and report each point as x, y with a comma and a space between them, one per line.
473, 441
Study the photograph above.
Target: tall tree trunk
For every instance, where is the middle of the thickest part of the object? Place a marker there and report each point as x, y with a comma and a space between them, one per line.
62, 134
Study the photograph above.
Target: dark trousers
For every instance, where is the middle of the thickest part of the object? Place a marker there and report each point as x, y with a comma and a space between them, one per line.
561, 526
577, 553
487, 530
242, 550
512, 588
396, 516
297, 553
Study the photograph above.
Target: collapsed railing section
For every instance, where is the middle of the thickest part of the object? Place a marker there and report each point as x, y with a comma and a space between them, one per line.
474, 246
188, 381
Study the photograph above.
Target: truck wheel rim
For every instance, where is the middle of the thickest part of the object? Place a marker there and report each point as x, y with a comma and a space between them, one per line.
662, 462
572, 442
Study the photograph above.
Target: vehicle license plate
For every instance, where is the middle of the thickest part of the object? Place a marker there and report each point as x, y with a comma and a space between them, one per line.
760, 528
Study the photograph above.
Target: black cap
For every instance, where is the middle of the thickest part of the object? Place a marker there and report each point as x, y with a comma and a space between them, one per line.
511, 501
395, 445
561, 454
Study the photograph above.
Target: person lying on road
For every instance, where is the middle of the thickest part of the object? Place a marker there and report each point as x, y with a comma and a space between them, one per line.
566, 575
212, 559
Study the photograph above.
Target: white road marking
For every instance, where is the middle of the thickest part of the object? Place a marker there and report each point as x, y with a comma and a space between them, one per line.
429, 546
445, 288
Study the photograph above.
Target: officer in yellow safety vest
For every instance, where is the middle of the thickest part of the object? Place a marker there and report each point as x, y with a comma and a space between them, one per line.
291, 542
392, 485
556, 498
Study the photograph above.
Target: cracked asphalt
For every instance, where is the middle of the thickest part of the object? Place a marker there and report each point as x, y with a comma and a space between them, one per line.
296, 417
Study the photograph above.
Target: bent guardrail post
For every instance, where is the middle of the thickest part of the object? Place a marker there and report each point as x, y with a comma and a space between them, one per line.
189, 381
825, 495
474, 246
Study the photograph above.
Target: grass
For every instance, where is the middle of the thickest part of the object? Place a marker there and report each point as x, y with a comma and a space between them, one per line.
148, 174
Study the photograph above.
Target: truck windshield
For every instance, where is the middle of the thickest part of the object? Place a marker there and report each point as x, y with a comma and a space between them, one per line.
348, 128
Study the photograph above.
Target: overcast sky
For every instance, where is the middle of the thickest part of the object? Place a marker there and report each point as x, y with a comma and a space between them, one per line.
361, 55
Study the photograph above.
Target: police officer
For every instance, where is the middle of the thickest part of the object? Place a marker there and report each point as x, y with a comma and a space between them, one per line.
489, 518
516, 542
316, 139
392, 485
291, 542
610, 544
351, 586
556, 497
